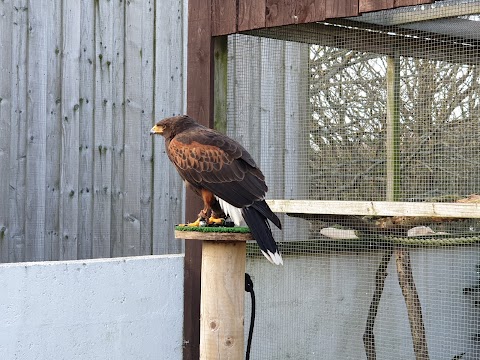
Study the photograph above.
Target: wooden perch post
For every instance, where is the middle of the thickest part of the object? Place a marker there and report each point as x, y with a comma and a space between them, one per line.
222, 293
412, 301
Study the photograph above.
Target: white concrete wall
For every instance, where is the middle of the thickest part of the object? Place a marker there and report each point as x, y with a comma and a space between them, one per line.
122, 308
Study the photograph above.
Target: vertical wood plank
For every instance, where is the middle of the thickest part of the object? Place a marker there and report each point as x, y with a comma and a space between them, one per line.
340, 8
224, 17
86, 134
70, 129
147, 117
134, 106
220, 83
6, 85
103, 122
36, 130
251, 14
18, 129
53, 128
245, 87
117, 60
200, 107
272, 118
393, 129
296, 135
169, 85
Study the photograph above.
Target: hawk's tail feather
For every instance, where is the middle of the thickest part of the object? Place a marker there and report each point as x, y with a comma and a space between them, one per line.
260, 229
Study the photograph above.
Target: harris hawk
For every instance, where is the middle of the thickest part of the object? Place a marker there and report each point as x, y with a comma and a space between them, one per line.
224, 175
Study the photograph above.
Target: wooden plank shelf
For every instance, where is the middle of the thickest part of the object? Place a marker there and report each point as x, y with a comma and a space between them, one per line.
377, 208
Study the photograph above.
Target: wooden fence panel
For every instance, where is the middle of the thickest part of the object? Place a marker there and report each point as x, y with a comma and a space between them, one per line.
103, 132
86, 124
169, 81
53, 234
69, 160
38, 38
15, 223
147, 119
81, 85
5, 111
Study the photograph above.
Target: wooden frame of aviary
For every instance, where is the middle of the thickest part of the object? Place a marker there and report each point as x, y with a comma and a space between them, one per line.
211, 21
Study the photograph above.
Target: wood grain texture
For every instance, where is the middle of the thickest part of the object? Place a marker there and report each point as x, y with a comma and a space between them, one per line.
5, 123
398, 3
412, 302
54, 105
86, 133
377, 208
374, 5
251, 14
213, 236
224, 17
222, 300
309, 11
279, 12
145, 184
340, 8
167, 186
116, 57
17, 176
69, 131
36, 130
200, 107
103, 132
136, 22
77, 173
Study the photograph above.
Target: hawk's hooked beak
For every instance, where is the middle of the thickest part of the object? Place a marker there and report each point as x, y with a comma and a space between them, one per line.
156, 130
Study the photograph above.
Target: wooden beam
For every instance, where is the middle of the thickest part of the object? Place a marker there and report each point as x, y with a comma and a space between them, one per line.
377, 208
220, 85
415, 14
200, 107
251, 14
374, 5
224, 17
340, 8
378, 39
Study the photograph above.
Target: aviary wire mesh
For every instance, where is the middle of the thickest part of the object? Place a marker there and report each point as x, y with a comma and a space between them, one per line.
380, 107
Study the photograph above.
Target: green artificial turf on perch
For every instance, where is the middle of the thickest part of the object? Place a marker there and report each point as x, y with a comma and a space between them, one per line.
219, 229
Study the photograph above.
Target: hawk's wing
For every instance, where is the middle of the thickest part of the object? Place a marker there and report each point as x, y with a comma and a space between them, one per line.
207, 159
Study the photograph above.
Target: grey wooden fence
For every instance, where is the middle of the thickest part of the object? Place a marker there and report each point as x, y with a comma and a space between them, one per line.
81, 83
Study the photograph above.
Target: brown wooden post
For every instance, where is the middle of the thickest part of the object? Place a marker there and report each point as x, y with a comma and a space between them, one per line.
200, 107
222, 293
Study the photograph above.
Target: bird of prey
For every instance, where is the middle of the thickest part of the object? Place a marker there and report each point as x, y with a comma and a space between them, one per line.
224, 175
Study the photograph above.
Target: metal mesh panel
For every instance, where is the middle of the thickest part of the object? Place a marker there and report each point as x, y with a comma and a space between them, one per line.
380, 107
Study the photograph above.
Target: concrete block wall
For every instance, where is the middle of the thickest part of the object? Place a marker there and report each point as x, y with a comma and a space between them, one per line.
121, 308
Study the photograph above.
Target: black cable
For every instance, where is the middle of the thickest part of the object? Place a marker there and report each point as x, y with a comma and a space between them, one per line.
249, 288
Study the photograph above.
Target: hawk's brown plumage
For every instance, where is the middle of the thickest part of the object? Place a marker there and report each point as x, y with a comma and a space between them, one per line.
217, 167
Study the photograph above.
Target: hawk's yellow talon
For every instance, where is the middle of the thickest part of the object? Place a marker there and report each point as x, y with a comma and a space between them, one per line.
215, 220
196, 223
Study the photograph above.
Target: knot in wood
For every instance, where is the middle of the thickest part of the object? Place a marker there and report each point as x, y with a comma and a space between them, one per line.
213, 325
229, 341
